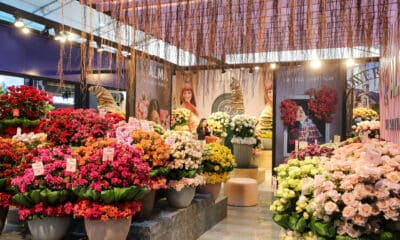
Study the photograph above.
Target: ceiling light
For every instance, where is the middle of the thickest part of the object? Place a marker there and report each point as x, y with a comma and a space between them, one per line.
315, 64
100, 49
60, 38
272, 66
350, 62
256, 68
19, 23
26, 30
72, 36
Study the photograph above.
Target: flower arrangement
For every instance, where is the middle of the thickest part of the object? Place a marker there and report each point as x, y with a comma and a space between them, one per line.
11, 161
311, 151
322, 103
109, 174
185, 160
73, 126
218, 123
218, 161
371, 128
23, 106
32, 140
155, 152
44, 192
288, 112
365, 114
243, 128
180, 119
359, 191
295, 190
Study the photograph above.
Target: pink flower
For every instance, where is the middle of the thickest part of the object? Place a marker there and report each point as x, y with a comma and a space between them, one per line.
330, 207
353, 232
382, 193
328, 185
334, 195
391, 214
346, 185
348, 212
394, 203
382, 205
348, 199
394, 177
365, 210
359, 220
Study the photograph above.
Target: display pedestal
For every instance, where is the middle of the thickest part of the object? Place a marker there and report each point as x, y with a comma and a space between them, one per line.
186, 223
254, 173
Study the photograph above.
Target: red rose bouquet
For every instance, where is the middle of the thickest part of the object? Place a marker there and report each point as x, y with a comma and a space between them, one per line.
23, 107
311, 151
322, 103
288, 112
44, 189
11, 161
74, 126
110, 177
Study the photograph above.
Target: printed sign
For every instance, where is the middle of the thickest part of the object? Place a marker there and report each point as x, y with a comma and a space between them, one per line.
38, 168
108, 154
274, 184
303, 144
15, 112
71, 165
336, 139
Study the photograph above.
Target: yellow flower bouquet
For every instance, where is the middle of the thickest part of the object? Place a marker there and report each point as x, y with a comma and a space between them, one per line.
218, 161
365, 114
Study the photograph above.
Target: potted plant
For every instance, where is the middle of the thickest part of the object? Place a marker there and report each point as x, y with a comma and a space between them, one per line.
11, 161
218, 123
244, 138
180, 119
218, 162
43, 192
185, 167
23, 107
110, 179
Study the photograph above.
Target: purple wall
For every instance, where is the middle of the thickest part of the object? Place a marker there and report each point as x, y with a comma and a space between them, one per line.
36, 55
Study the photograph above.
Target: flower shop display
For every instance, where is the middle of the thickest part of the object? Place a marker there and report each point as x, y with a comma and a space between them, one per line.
244, 138
311, 151
322, 104
180, 118
11, 161
23, 107
218, 122
288, 110
370, 128
364, 114
359, 191
73, 126
43, 190
32, 140
295, 190
218, 162
185, 164
110, 179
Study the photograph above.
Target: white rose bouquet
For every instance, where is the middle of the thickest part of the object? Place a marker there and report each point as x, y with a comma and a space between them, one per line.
243, 128
218, 123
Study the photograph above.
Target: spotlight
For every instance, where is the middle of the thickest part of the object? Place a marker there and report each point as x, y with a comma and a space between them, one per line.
72, 36
26, 30
350, 62
60, 37
100, 49
256, 68
272, 66
315, 64
19, 23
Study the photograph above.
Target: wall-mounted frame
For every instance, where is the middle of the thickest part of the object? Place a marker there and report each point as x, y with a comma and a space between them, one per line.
306, 128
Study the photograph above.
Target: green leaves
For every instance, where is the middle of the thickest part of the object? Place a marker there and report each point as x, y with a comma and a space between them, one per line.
322, 228
46, 195
111, 195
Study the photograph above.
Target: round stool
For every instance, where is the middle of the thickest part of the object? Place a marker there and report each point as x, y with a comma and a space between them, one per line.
241, 192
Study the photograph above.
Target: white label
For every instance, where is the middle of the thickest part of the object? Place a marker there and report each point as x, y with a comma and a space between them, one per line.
274, 184
170, 140
303, 144
336, 139
71, 165
296, 145
38, 168
102, 113
146, 127
315, 142
19, 131
108, 154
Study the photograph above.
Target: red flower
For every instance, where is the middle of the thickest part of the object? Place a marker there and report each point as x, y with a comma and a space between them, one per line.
322, 104
288, 112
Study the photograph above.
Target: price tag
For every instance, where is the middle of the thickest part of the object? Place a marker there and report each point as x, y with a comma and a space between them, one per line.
15, 112
274, 184
102, 113
71, 165
170, 140
38, 168
296, 145
146, 126
303, 144
315, 142
336, 139
108, 154
19, 131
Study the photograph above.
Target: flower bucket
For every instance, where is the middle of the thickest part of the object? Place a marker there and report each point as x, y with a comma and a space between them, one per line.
49, 228
3, 217
266, 143
182, 198
107, 230
243, 154
148, 202
213, 189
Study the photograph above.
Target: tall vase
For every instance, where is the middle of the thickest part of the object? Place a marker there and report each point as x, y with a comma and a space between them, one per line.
3, 217
243, 154
213, 189
49, 228
147, 206
107, 230
182, 198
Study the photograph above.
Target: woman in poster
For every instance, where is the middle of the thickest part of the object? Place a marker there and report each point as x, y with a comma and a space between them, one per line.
305, 129
153, 112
